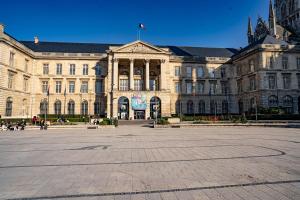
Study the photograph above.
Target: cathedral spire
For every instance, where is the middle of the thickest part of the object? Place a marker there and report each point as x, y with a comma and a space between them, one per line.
250, 32
272, 20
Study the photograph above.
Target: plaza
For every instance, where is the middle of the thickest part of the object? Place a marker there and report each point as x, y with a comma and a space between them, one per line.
137, 162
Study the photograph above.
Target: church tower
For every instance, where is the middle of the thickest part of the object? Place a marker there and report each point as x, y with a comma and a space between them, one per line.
272, 20
250, 32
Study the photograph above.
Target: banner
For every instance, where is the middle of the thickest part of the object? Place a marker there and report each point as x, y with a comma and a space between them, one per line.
138, 102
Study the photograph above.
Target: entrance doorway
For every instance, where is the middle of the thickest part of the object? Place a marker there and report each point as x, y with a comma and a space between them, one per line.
123, 111
139, 114
155, 107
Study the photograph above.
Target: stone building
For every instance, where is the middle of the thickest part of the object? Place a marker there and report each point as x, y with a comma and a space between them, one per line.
140, 80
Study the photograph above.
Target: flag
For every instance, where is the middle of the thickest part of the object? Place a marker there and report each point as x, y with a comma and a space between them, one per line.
48, 91
65, 92
142, 26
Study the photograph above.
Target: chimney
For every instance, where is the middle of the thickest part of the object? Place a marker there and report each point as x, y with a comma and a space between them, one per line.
1, 28
36, 40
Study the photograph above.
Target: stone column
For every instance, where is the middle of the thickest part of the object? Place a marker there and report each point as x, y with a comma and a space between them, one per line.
116, 74
131, 82
162, 75
147, 75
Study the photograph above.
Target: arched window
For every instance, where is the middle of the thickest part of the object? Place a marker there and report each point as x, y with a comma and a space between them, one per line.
43, 107
71, 107
9, 103
224, 107
190, 107
201, 107
84, 108
57, 107
288, 104
213, 107
273, 101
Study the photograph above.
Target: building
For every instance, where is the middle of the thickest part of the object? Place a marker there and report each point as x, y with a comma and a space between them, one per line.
140, 80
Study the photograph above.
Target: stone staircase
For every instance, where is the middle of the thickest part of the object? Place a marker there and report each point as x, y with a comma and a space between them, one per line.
135, 122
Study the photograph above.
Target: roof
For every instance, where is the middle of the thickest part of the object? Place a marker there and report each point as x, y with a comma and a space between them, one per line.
268, 39
67, 47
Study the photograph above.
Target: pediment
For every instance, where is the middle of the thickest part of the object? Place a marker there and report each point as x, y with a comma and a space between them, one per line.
139, 47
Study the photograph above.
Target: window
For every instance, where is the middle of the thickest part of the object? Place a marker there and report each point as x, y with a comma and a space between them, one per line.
177, 71
58, 69
252, 83
298, 63
8, 109
251, 66
285, 62
189, 72
189, 88
239, 86
200, 72
10, 82
211, 72
26, 65
85, 69
72, 69
98, 70
124, 84
58, 87
45, 69
84, 87
98, 86
138, 84
272, 81
97, 108
270, 62
224, 88
288, 104
72, 87
11, 59
190, 107
57, 107
44, 86
178, 107
201, 107
71, 107
177, 87
224, 107
153, 85
273, 101
286, 81
25, 85
44, 107
200, 87
223, 72
213, 87
84, 108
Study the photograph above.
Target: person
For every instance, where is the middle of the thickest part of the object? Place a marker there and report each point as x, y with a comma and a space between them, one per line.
42, 123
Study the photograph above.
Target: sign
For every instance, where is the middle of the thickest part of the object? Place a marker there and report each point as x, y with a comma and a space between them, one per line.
138, 102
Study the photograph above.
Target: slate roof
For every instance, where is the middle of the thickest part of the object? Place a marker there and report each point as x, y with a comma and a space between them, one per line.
268, 39
66, 47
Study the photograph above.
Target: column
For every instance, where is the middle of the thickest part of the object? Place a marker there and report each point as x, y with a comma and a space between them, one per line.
147, 75
116, 74
162, 75
131, 82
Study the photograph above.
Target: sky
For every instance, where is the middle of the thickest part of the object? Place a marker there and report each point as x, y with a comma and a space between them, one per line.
206, 23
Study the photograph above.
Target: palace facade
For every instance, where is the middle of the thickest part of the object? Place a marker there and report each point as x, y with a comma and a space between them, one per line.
141, 81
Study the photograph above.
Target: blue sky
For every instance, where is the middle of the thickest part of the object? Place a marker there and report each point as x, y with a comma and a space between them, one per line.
210, 23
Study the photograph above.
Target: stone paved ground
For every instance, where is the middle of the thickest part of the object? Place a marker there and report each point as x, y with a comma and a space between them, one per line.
142, 163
